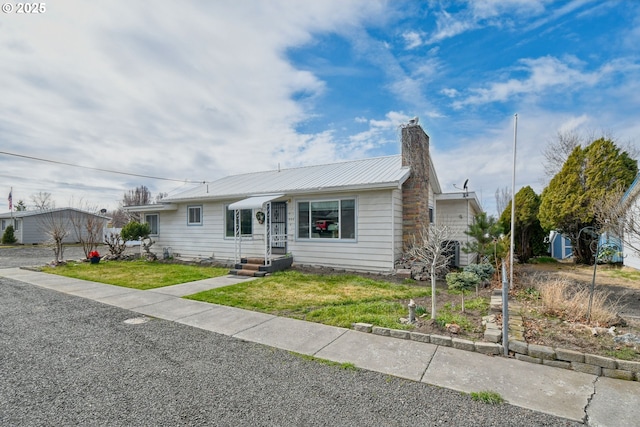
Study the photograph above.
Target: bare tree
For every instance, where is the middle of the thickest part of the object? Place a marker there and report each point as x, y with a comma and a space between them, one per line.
618, 213
87, 227
503, 198
55, 225
119, 218
433, 247
558, 150
161, 196
139, 196
42, 201
116, 244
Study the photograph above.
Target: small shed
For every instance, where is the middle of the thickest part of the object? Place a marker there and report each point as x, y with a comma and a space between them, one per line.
560, 246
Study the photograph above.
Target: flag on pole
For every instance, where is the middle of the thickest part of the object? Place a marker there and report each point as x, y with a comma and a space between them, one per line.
10, 201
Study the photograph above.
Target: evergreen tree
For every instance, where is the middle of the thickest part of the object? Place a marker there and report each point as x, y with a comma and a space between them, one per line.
8, 237
485, 232
529, 235
568, 203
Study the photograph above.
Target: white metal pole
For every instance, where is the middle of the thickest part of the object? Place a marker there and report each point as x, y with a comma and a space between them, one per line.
513, 199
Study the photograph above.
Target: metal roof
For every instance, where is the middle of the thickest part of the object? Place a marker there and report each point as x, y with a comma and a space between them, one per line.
378, 172
23, 214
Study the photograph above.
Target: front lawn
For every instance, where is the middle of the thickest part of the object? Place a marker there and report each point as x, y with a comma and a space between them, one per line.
337, 300
136, 274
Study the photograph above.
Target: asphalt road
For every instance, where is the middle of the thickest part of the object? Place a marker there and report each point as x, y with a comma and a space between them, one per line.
65, 360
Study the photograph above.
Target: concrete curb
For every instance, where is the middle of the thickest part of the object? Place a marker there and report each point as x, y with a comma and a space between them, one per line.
532, 353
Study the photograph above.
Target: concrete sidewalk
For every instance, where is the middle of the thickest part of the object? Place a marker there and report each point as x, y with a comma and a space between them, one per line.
596, 401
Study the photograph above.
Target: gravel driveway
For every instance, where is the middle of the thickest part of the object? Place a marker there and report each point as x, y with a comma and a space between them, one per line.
24, 256
72, 361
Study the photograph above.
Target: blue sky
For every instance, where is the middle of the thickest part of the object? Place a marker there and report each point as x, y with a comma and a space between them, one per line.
194, 91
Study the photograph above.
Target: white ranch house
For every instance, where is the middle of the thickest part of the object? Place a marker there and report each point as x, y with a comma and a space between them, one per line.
355, 215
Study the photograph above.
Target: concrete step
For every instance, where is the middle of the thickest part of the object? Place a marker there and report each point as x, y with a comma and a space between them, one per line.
248, 273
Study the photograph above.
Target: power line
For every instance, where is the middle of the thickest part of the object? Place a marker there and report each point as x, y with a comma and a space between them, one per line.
98, 169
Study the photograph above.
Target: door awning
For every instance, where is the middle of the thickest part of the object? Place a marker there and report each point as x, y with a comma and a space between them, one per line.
254, 202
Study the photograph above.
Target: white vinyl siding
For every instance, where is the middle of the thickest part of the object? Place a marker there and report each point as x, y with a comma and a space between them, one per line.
457, 214
371, 250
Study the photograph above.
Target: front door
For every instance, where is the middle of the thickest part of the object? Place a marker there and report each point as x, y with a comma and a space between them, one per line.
279, 228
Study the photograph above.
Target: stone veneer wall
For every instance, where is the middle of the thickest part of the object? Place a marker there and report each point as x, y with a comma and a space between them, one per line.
415, 190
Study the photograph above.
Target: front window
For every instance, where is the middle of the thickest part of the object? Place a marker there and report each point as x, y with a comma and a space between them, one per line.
17, 226
246, 222
4, 224
194, 215
330, 219
153, 220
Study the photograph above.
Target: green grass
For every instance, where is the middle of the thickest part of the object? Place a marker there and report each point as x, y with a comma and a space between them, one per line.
338, 300
489, 397
345, 365
136, 274
625, 353
451, 313
625, 274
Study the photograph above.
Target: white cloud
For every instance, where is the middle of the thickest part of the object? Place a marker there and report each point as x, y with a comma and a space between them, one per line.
450, 92
542, 74
164, 91
412, 39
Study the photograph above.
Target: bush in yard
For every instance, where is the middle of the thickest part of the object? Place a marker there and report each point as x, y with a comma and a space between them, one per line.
462, 282
135, 231
483, 271
8, 237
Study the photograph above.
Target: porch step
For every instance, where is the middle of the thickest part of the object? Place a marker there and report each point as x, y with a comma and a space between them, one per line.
255, 267
248, 273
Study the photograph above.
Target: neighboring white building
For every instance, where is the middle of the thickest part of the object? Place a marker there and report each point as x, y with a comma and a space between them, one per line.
355, 215
631, 243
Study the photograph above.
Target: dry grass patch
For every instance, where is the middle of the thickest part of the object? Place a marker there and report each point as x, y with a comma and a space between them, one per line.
568, 301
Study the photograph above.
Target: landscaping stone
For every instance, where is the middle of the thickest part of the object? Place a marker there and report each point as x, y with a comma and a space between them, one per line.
586, 368
363, 327
605, 362
529, 359
381, 331
618, 374
542, 352
493, 335
418, 336
487, 348
557, 363
462, 344
519, 347
397, 333
628, 365
569, 355
441, 340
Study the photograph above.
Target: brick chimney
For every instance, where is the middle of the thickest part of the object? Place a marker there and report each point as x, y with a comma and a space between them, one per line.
415, 190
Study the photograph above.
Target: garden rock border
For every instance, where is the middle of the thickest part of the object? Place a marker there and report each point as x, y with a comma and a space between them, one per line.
532, 353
